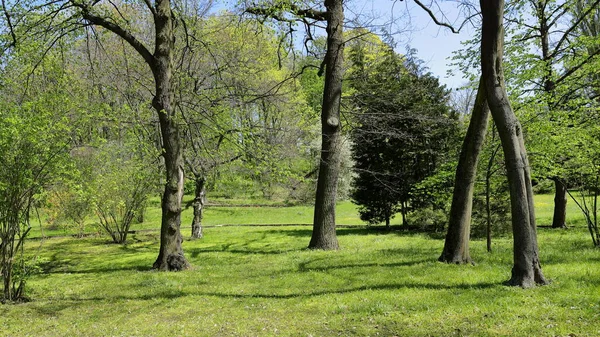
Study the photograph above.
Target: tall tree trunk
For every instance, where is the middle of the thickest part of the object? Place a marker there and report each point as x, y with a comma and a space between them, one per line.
323, 235
526, 271
559, 219
456, 246
488, 209
560, 194
198, 205
170, 256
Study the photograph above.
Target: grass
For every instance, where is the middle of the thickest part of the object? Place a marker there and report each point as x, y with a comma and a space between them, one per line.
261, 281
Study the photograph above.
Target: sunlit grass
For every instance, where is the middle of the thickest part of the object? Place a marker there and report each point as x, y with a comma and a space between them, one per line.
227, 213
261, 281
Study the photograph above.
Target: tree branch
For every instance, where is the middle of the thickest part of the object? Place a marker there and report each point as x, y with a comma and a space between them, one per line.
437, 22
573, 27
10, 25
120, 31
277, 13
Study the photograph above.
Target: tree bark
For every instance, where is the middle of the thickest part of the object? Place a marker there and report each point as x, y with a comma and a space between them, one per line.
170, 256
198, 205
456, 246
526, 271
403, 212
323, 235
488, 210
559, 219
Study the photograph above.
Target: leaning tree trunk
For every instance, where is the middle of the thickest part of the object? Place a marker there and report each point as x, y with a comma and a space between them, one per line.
559, 219
198, 206
456, 246
170, 256
526, 271
323, 235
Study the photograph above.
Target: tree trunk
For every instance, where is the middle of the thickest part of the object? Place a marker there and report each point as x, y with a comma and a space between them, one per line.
7, 276
488, 210
559, 220
526, 271
323, 235
456, 247
198, 205
170, 256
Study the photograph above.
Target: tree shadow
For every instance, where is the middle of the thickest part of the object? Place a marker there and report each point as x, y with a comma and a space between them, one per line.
226, 248
303, 266
311, 292
102, 270
307, 233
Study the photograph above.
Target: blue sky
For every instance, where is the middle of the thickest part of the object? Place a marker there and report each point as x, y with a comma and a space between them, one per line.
434, 44
414, 27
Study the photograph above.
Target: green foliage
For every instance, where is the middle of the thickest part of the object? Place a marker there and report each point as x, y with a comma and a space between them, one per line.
69, 208
35, 138
403, 132
33, 147
122, 180
248, 126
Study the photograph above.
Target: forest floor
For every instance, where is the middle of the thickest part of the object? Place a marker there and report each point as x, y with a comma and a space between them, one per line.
261, 281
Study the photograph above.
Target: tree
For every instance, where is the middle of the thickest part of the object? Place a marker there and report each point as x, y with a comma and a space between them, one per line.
323, 234
71, 15
526, 271
404, 128
122, 179
34, 147
245, 117
553, 67
541, 82
456, 246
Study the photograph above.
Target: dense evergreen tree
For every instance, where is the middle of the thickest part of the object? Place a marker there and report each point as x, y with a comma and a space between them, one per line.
403, 132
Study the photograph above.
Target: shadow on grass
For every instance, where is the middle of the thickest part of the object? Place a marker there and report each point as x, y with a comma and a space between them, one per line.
391, 286
303, 266
169, 295
102, 270
360, 230
226, 248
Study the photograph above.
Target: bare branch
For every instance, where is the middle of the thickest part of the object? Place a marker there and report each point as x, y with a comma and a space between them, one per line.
10, 25
437, 22
301, 13
120, 31
150, 7
573, 27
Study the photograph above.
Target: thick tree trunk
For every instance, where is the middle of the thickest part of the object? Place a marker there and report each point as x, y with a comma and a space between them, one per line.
559, 220
198, 205
456, 247
170, 256
323, 235
488, 211
526, 271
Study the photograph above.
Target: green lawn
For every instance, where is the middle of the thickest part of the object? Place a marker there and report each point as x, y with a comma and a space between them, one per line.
261, 281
